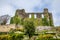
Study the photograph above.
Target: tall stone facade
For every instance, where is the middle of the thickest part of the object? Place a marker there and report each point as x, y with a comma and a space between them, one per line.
45, 13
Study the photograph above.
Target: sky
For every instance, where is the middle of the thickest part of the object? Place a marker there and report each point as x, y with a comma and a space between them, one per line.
10, 6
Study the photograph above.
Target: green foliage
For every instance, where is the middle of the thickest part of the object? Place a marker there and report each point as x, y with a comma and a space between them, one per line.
45, 22
5, 37
16, 34
11, 32
11, 21
45, 37
38, 22
15, 20
21, 21
32, 17
17, 37
29, 28
51, 22
12, 37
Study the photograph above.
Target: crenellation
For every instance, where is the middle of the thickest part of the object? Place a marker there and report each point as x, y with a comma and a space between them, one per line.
45, 10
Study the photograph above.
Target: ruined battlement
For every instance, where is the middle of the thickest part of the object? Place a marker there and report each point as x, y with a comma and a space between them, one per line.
45, 14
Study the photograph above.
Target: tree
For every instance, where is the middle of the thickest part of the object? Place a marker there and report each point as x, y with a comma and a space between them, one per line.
51, 22
38, 22
29, 27
16, 20
11, 21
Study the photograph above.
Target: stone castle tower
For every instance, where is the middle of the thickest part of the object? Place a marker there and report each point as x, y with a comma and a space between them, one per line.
45, 14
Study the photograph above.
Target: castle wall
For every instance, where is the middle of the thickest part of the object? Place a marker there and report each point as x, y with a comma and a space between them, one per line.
45, 13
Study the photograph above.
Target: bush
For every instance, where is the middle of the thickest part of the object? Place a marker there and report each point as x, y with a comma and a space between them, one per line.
17, 37
5, 37
29, 28
12, 37
45, 37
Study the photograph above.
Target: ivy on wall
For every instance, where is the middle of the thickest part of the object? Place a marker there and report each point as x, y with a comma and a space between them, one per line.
37, 21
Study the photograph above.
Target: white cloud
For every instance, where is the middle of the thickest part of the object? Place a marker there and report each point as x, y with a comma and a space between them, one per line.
9, 7
56, 5
56, 12
26, 4
6, 9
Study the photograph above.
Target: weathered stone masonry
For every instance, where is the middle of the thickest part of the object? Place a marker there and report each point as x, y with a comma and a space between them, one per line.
43, 14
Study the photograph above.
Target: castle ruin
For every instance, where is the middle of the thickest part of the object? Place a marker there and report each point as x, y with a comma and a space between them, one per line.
45, 13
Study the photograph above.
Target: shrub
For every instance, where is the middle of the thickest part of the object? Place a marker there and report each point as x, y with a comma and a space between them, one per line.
29, 28
45, 37
17, 37
5, 37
